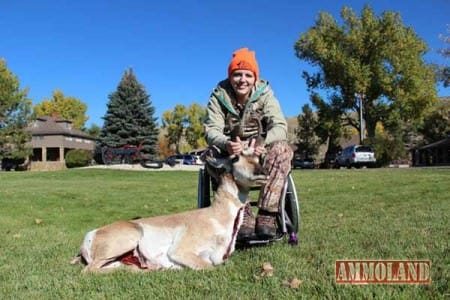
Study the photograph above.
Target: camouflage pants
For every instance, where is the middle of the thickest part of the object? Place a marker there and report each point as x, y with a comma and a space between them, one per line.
277, 163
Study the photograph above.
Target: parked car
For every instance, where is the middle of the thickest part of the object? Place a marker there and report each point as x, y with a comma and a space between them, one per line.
184, 159
198, 161
356, 156
304, 163
189, 159
174, 159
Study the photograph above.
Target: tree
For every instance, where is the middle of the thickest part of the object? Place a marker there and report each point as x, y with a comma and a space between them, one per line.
164, 148
195, 131
436, 125
444, 71
15, 113
66, 107
330, 125
375, 58
307, 142
175, 121
94, 130
129, 119
184, 127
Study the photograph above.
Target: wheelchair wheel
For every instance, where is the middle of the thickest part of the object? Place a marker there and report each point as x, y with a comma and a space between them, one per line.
203, 189
289, 218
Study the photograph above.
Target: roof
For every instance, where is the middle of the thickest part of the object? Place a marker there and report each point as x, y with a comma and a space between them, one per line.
55, 126
441, 143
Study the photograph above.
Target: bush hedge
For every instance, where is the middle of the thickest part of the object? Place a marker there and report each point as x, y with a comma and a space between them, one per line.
78, 158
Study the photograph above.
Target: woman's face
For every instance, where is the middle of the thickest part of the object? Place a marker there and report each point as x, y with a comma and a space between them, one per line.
242, 82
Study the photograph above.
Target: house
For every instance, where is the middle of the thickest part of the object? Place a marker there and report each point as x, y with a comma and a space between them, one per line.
52, 138
434, 154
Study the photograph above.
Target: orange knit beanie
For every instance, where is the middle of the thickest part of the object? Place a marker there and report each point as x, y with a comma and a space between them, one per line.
244, 59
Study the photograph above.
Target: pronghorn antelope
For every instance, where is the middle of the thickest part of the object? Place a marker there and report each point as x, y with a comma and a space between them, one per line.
197, 239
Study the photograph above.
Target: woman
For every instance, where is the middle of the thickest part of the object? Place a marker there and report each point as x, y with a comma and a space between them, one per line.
246, 100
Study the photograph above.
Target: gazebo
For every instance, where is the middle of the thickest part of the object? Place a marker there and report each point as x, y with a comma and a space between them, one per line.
52, 138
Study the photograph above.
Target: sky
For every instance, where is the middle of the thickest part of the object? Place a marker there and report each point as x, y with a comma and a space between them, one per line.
179, 50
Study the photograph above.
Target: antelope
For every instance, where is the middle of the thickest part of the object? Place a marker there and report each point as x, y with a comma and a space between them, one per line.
196, 239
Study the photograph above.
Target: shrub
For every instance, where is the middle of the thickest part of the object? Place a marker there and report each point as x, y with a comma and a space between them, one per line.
78, 158
387, 149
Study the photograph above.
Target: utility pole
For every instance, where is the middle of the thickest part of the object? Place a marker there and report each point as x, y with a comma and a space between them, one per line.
361, 126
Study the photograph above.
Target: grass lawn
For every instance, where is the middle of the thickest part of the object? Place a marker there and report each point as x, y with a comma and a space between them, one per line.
345, 214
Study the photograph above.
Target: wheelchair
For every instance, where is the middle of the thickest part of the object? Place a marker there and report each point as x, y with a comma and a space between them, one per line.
288, 218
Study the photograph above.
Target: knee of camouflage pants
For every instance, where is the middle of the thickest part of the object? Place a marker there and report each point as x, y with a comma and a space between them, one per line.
277, 163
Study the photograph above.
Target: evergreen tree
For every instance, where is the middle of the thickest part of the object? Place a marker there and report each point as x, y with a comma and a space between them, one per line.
129, 118
307, 142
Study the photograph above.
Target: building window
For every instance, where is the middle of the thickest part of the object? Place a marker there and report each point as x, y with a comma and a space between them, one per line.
37, 154
53, 154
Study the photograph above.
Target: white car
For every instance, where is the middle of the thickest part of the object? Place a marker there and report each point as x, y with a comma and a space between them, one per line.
356, 156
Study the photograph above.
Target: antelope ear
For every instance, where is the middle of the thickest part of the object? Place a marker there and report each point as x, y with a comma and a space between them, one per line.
219, 163
213, 162
217, 166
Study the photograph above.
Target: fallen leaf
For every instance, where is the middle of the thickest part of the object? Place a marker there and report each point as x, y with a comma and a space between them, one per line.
38, 221
294, 283
267, 269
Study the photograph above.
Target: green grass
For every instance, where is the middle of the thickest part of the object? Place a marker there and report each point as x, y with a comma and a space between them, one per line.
345, 214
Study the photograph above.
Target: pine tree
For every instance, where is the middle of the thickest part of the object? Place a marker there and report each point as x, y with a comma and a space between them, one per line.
307, 142
129, 118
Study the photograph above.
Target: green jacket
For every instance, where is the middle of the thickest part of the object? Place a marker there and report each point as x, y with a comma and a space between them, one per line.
262, 104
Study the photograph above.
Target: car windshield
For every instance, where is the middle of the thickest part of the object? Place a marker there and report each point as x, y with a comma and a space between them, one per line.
364, 149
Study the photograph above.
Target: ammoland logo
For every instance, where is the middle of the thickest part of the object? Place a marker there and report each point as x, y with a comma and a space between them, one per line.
383, 271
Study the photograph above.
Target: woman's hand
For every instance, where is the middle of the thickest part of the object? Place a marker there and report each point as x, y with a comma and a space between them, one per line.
258, 149
234, 147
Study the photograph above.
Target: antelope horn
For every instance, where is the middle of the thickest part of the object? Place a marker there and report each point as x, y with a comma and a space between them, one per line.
235, 129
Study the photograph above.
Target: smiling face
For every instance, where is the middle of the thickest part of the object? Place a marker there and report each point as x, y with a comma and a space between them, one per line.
242, 82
